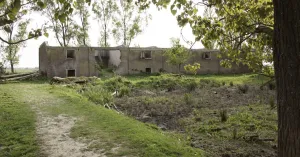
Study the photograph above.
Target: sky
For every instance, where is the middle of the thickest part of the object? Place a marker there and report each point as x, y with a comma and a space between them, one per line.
160, 29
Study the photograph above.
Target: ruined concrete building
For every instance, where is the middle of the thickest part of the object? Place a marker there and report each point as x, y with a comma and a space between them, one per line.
85, 61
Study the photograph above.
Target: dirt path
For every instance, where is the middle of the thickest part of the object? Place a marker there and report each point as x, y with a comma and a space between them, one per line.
54, 131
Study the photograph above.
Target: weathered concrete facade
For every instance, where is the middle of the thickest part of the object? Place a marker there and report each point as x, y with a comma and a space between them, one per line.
83, 61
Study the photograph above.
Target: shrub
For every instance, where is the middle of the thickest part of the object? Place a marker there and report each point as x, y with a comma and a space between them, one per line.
223, 83
243, 88
231, 83
165, 82
116, 83
192, 68
223, 115
124, 90
215, 83
98, 95
188, 99
191, 85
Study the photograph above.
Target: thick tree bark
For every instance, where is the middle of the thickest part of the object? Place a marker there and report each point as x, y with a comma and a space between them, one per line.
287, 74
12, 69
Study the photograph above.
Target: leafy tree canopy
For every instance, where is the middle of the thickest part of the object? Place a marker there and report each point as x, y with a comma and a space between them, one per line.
243, 30
177, 54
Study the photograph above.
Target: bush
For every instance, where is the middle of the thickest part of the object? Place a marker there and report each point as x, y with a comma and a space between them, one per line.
191, 85
98, 95
243, 88
231, 83
165, 82
116, 83
124, 91
223, 83
223, 115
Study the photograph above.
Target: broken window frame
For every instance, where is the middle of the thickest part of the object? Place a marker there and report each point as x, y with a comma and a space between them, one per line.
67, 72
206, 55
73, 54
144, 56
146, 70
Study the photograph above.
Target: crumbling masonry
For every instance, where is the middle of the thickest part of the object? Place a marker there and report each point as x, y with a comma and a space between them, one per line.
84, 61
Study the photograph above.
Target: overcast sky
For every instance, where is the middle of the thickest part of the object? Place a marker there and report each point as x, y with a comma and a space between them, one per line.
160, 29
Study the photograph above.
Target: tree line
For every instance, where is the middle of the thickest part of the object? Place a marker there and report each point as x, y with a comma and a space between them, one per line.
69, 21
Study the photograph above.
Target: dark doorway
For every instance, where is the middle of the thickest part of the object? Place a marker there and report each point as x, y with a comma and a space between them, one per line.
71, 73
148, 70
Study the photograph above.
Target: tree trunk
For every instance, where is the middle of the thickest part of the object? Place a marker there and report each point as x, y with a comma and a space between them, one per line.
12, 66
287, 74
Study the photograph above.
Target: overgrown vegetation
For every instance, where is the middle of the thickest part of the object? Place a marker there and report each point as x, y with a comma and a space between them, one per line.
206, 109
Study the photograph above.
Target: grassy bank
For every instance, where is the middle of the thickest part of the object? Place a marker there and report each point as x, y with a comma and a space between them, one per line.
106, 130
17, 127
117, 130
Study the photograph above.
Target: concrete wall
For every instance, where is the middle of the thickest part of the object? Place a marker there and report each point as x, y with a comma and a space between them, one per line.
54, 61
43, 59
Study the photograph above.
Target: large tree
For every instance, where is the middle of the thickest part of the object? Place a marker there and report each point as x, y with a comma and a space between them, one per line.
105, 11
82, 11
254, 33
14, 32
129, 22
12, 10
63, 25
287, 73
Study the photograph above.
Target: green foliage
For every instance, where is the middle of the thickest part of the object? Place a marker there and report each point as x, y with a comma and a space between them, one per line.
168, 82
124, 90
112, 128
243, 88
15, 32
229, 25
128, 22
209, 83
15, 11
231, 83
192, 68
60, 13
105, 11
116, 83
223, 83
83, 12
99, 95
191, 84
177, 54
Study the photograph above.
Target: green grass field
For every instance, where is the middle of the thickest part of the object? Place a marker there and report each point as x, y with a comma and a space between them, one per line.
17, 126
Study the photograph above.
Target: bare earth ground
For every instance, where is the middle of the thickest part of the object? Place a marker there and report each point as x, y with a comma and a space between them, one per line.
54, 131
